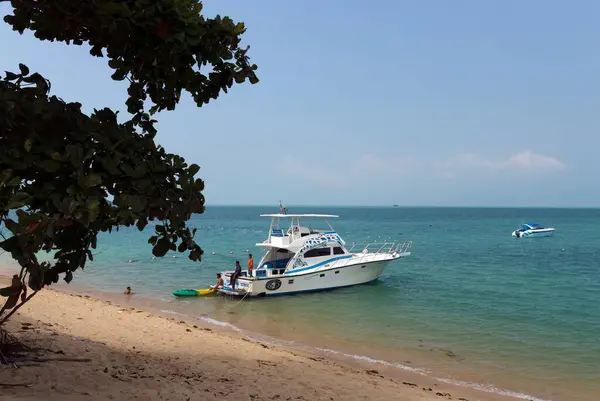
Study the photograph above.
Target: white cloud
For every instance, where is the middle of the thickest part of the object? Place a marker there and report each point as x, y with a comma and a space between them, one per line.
530, 160
371, 169
523, 161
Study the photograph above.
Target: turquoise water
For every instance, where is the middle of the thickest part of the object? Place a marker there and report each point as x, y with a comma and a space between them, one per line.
470, 304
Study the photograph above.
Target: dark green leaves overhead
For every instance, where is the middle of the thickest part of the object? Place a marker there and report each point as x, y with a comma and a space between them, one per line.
71, 175
61, 166
162, 47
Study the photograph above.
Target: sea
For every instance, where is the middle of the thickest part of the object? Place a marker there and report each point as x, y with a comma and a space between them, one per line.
471, 305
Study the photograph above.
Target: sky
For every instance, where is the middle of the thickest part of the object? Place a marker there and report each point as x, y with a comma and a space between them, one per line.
417, 103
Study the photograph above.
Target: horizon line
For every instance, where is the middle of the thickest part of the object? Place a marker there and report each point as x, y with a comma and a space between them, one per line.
404, 206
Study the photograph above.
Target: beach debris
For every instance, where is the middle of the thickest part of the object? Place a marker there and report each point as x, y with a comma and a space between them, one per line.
16, 384
409, 384
61, 359
262, 362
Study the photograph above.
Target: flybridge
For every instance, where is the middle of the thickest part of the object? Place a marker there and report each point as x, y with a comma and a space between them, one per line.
282, 235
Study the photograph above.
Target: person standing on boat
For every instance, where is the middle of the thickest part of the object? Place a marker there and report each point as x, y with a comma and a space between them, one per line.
250, 264
235, 275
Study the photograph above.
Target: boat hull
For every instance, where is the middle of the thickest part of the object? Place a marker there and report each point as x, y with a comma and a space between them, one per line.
548, 232
340, 277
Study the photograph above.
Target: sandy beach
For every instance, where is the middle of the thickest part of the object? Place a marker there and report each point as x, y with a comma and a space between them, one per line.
85, 348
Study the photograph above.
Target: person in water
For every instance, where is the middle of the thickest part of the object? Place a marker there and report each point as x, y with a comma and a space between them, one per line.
128, 291
250, 264
235, 275
220, 282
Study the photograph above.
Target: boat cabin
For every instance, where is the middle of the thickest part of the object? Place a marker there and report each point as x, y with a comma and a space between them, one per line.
296, 244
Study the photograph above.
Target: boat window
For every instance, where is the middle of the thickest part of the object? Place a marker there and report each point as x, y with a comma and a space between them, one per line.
313, 253
338, 250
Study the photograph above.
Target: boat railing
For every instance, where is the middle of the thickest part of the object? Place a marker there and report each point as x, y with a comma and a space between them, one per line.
380, 247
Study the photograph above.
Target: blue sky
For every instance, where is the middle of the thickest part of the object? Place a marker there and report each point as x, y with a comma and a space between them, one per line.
476, 103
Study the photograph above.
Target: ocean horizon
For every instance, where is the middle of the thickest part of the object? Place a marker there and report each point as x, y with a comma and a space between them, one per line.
272, 206
471, 304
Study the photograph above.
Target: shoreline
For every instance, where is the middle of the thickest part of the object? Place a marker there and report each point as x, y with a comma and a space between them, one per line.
406, 380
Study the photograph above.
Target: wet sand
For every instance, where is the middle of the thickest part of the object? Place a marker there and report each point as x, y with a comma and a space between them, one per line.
85, 348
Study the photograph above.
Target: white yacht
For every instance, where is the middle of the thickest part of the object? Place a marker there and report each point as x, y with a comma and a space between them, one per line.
299, 258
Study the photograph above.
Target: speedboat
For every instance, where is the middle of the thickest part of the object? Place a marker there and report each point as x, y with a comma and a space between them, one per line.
299, 258
532, 230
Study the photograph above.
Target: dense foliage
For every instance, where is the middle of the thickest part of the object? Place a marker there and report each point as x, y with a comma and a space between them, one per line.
59, 167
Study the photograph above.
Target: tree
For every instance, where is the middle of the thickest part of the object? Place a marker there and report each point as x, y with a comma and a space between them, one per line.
59, 166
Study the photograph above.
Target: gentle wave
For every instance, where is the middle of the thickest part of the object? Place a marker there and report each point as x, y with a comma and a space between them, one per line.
171, 312
490, 389
375, 361
425, 372
219, 323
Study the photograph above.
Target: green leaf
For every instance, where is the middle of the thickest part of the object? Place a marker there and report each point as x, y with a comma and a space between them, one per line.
11, 76
195, 255
161, 248
69, 277
94, 204
18, 200
50, 166
96, 51
119, 74
93, 180
193, 169
24, 69
27, 145
141, 223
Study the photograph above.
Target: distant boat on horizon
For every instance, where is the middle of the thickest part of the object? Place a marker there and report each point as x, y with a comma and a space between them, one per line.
532, 230
396, 206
